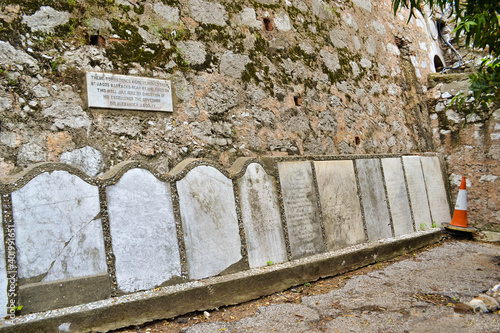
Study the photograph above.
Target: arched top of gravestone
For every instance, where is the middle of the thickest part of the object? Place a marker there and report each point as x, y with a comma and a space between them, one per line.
18, 181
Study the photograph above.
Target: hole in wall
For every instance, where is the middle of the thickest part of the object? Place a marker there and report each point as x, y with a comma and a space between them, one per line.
297, 100
357, 140
268, 25
97, 40
438, 64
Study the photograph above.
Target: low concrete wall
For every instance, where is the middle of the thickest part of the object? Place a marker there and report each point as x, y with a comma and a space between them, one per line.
72, 239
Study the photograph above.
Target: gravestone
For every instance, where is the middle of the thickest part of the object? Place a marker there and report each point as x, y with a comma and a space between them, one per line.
113, 91
418, 193
60, 244
340, 205
397, 196
58, 228
261, 217
378, 223
436, 192
301, 209
143, 231
209, 222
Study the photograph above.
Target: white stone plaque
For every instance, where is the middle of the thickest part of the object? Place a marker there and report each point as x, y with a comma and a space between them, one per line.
436, 191
112, 91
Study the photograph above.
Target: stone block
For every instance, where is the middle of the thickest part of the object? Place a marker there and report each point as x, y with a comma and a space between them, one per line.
418, 193
340, 205
209, 221
436, 191
374, 202
261, 217
301, 208
58, 228
143, 231
397, 196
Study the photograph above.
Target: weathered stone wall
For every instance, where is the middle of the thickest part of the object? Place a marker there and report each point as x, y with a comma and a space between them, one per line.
251, 78
470, 140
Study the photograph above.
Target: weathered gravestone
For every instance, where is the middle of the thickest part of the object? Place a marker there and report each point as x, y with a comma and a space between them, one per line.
340, 205
378, 223
397, 196
436, 191
301, 208
261, 217
59, 239
143, 231
417, 191
209, 222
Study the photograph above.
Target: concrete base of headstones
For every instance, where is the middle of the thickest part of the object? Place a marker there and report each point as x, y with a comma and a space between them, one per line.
214, 292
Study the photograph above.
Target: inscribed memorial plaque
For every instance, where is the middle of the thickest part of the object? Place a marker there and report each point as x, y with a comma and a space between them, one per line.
397, 195
378, 222
417, 191
438, 199
143, 231
113, 91
209, 222
301, 209
340, 205
261, 217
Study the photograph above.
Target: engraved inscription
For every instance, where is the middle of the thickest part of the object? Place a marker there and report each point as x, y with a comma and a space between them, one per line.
113, 91
301, 211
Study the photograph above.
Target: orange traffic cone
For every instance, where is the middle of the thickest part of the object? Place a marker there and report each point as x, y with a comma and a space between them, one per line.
460, 215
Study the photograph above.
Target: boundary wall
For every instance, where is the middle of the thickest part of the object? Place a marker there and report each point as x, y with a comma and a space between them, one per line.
71, 239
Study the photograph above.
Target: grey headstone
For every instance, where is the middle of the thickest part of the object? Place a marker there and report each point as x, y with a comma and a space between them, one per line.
209, 222
378, 223
143, 231
261, 217
3, 275
397, 195
340, 205
417, 191
436, 192
58, 228
301, 209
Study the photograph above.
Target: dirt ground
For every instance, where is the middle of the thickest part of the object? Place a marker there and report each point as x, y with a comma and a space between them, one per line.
417, 292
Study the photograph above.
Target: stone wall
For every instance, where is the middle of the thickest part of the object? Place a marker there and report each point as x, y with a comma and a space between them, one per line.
470, 140
72, 239
251, 78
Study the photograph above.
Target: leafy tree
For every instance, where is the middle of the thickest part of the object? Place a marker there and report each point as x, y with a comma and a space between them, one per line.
477, 24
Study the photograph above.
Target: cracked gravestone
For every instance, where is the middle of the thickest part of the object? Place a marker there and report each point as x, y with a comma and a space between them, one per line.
436, 191
418, 193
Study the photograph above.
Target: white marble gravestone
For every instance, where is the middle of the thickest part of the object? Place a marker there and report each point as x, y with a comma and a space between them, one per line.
143, 231
58, 228
261, 217
397, 196
438, 199
301, 209
378, 223
209, 222
418, 193
340, 205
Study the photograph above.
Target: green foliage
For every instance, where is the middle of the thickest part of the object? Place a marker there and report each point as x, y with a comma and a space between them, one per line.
307, 284
269, 263
478, 24
423, 226
434, 225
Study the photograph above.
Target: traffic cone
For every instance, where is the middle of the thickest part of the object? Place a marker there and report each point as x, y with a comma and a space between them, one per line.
460, 215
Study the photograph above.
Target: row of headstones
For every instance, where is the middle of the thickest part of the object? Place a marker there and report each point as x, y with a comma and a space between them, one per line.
204, 223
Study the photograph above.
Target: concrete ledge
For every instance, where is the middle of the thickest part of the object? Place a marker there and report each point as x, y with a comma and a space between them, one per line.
167, 302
